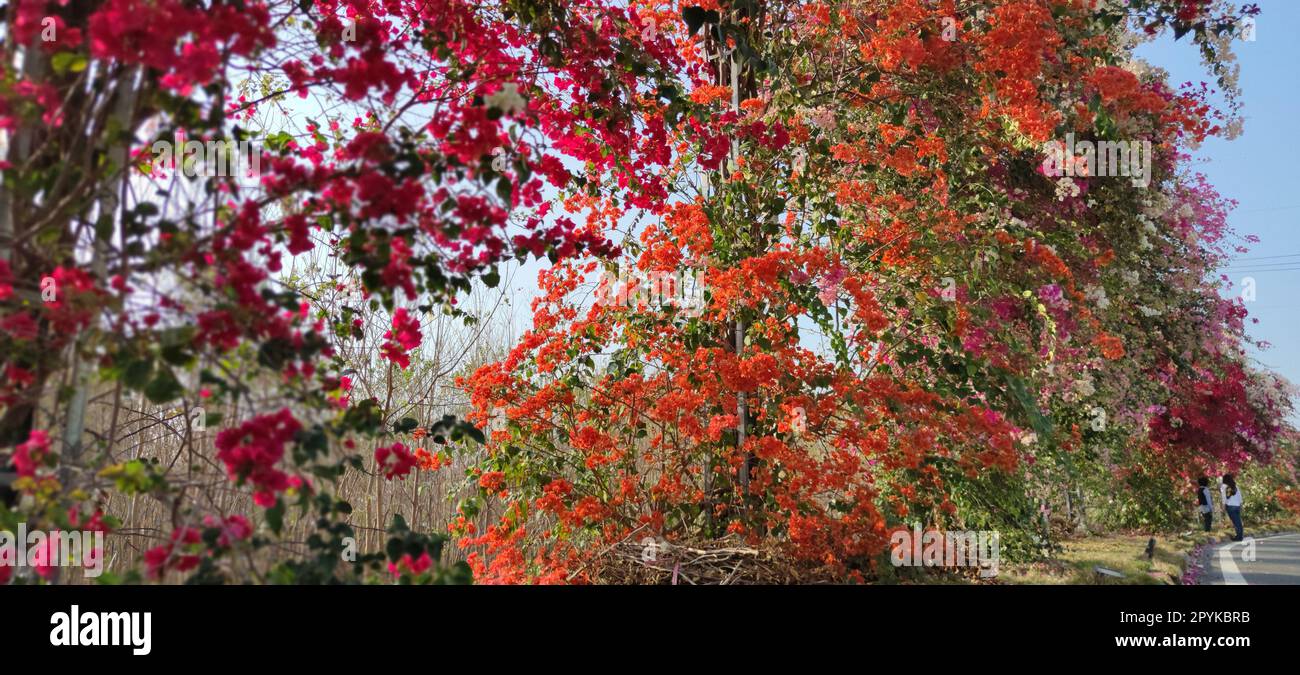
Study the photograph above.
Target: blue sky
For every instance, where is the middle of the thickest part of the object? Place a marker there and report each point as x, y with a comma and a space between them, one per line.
1258, 169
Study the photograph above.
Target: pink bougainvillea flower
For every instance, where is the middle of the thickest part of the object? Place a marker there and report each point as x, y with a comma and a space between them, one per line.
252, 451
395, 460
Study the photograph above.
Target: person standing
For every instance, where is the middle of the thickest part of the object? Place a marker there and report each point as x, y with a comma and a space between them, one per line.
1205, 501
1232, 503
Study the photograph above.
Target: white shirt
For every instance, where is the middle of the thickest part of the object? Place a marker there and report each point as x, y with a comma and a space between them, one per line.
1208, 506
1234, 500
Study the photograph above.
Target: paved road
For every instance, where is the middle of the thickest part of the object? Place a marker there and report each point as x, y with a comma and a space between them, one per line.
1276, 561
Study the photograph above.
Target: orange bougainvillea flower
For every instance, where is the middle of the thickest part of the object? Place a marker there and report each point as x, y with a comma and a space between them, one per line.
1111, 347
710, 94
431, 461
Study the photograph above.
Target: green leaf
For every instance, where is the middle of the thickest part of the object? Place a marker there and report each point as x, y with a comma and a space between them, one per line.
275, 516
1041, 424
406, 424
136, 373
278, 140
68, 62
474, 433
164, 387
505, 190
696, 17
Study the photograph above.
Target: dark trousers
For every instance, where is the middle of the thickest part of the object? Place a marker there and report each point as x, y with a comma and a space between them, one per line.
1207, 519
1234, 514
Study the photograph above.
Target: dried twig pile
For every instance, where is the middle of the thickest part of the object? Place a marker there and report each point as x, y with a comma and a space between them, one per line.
723, 561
